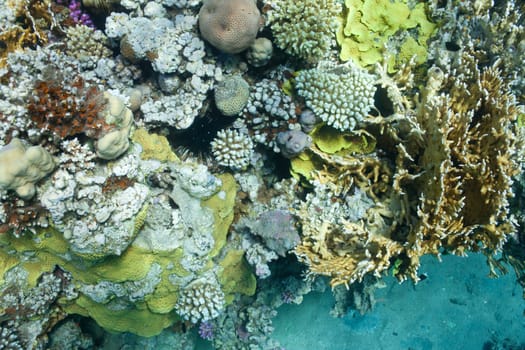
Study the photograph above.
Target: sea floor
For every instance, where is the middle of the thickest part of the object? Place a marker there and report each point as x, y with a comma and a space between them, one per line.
456, 307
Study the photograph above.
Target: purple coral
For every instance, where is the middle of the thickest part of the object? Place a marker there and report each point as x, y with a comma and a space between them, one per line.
206, 330
278, 231
76, 13
287, 296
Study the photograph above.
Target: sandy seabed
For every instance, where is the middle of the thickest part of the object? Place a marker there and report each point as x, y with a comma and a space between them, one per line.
456, 307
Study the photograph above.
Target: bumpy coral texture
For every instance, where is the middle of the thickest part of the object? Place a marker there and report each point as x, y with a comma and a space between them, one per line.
87, 45
22, 167
449, 187
305, 29
231, 95
229, 25
200, 301
341, 95
232, 149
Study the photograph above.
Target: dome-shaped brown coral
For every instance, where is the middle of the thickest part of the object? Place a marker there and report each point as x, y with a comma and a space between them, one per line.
229, 25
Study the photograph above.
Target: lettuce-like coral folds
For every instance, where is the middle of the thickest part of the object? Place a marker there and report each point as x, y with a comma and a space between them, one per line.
369, 26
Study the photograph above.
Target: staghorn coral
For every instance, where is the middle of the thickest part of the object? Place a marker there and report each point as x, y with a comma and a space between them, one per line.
447, 191
305, 29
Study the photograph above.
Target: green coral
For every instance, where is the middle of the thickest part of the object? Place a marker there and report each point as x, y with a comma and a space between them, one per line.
306, 28
370, 25
146, 314
236, 276
222, 205
154, 146
332, 142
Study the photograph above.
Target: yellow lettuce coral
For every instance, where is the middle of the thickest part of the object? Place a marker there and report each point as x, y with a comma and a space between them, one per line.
370, 25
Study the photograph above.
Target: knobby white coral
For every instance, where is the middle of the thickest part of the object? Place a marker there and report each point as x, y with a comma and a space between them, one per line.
232, 149
201, 300
341, 95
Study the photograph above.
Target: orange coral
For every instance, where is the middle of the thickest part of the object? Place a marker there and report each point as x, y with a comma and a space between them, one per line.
21, 217
115, 183
68, 111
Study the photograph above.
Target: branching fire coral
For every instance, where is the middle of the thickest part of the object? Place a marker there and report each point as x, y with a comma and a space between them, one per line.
449, 186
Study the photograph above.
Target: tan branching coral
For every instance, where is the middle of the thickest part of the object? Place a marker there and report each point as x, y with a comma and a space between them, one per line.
454, 144
33, 19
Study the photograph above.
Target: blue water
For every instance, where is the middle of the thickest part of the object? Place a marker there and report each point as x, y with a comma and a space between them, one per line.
456, 307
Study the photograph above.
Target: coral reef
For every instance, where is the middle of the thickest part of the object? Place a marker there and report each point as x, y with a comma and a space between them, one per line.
201, 300
341, 95
260, 52
194, 165
231, 95
30, 307
371, 28
87, 45
434, 204
495, 30
232, 149
229, 25
269, 111
22, 167
292, 142
305, 29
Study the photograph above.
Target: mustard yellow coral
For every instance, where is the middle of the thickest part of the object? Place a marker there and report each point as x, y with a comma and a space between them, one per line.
369, 26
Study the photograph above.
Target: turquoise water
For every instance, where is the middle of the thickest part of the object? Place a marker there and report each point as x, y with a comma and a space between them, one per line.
456, 307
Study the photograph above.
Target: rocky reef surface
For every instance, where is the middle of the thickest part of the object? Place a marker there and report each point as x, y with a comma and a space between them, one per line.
173, 171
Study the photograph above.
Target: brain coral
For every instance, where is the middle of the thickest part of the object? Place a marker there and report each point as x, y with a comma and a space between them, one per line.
231, 95
229, 25
305, 29
341, 95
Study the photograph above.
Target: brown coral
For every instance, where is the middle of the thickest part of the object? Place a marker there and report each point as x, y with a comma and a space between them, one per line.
21, 217
34, 18
68, 110
230, 25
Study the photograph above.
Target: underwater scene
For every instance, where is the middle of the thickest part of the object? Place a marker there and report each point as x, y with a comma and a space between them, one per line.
262, 174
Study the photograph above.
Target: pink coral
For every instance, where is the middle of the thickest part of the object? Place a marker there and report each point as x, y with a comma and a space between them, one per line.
230, 25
